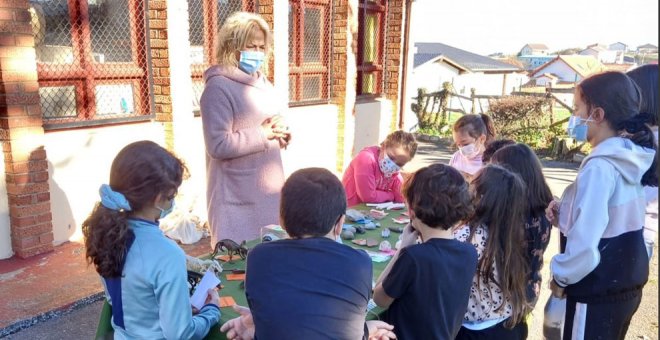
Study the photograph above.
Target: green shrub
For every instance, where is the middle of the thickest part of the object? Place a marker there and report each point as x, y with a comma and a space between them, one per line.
525, 119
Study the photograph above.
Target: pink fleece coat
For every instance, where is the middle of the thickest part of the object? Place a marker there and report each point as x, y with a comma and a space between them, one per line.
243, 169
365, 183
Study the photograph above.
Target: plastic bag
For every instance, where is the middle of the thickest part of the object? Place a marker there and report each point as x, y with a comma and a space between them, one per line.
553, 318
182, 226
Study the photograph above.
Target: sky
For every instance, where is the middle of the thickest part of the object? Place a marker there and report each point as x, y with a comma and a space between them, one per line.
490, 26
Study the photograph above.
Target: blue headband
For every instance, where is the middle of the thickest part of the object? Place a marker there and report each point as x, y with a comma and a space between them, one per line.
113, 200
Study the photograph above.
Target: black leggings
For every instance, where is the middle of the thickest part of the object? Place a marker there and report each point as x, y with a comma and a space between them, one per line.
603, 320
497, 332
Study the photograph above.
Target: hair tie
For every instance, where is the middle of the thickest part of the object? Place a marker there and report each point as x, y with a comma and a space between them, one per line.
113, 200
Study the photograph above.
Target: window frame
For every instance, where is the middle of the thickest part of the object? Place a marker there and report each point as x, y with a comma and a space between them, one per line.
298, 68
380, 9
84, 73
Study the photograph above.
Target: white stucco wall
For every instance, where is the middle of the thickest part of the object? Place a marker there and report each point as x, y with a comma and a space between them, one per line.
78, 163
560, 69
314, 138
373, 120
5, 228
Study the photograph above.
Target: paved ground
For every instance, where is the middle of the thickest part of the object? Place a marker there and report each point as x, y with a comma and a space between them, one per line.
81, 323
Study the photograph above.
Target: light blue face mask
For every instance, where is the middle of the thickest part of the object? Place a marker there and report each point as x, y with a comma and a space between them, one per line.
165, 212
250, 61
572, 122
581, 128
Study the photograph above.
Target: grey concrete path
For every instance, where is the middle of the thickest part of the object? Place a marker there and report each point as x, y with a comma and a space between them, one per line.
81, 324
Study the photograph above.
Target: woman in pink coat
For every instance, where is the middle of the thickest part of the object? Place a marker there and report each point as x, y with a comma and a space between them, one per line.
373, 175
243, 133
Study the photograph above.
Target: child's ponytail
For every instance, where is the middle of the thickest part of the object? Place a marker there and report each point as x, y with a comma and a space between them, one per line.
107, 240
490, 127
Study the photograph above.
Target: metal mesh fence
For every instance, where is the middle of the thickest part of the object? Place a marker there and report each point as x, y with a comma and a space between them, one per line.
310, 26
205, 18
371, 47
91, 60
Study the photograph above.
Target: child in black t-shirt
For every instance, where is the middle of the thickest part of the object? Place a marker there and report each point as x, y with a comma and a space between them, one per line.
308, 286
426, 286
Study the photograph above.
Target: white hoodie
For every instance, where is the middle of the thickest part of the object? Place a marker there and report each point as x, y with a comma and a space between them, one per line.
597, 214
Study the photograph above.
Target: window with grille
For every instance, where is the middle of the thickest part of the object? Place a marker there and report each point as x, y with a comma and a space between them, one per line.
371, 39
205, 18
309, 51
91, 61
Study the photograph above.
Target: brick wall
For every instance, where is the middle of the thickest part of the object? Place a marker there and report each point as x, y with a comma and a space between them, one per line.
393, 57
21, 134
340, 28
265, 9
160, 62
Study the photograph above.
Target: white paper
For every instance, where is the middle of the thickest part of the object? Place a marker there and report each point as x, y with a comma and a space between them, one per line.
387, 206
208, 281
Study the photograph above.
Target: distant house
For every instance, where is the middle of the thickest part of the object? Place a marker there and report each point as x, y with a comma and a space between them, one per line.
534, 49
436, 63
647, 48
629, 60
598, 45
531, 62
570, 68
603, 55
618, 46
546, 79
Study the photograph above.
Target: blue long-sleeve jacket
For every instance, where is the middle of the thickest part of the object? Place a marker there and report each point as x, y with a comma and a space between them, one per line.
151, 299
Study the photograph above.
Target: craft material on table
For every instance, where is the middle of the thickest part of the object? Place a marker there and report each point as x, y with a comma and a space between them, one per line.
208, 281
227, 301
235, 277
385, 233
377, 214
387, 206
378, 256
401, 220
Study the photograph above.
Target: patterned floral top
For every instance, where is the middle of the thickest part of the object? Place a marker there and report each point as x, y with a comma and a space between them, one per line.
537, 235
485, 298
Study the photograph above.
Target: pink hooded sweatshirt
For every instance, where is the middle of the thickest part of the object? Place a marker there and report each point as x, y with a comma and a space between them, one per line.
365, 183
243, 169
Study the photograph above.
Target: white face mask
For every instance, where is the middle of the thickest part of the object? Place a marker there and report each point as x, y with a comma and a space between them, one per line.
387, 166
469, 150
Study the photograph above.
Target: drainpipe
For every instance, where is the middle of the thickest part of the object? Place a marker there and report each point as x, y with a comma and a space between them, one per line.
404, 69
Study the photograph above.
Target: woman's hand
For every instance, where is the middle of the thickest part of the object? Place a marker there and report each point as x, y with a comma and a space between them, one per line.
273, 127
240, 328
552, 212
379, 330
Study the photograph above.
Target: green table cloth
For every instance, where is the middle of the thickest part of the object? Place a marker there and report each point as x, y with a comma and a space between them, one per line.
232, 288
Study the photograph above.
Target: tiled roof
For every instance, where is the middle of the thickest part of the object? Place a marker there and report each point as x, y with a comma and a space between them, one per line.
584, 65
618, 67
468, 60
537, 46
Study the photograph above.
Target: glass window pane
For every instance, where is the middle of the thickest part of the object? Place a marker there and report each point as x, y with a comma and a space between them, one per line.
292, 33
227, 8
196, 37
110, 27
311, 87
368, 83
114, 99
371, 38
51, 26
58, 101
198, 88
313, 36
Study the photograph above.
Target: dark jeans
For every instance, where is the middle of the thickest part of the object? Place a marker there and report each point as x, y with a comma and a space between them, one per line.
497, 332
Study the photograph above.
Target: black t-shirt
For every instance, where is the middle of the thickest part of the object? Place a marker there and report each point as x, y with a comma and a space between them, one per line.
430, 284
311, 288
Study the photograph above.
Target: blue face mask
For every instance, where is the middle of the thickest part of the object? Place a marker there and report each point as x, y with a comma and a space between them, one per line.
250, 61
580, 130
572, 122
165, 212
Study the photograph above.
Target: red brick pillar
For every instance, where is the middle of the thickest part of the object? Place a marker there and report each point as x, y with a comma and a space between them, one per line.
21, 134
344, 71
160, 63
393, 48
265, 9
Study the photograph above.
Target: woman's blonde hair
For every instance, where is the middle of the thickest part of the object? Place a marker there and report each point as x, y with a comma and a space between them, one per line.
234, 34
